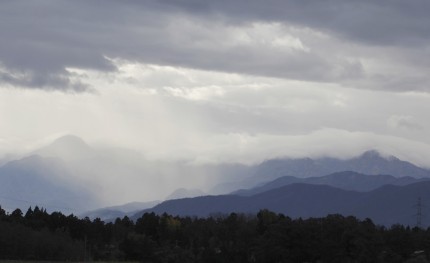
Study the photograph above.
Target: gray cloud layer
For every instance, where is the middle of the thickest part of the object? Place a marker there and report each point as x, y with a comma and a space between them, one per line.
377, 22
345, 42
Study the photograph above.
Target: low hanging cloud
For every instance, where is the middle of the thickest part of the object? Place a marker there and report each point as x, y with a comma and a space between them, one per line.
253, 149
171, 113
344, 42
405, 122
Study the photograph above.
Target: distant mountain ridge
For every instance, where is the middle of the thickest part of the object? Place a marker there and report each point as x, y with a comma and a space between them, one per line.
370, 163
185, 193
346, 180
109, 214
386, 205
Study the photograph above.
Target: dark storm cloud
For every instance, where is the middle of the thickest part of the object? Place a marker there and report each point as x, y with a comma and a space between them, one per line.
41, 39
378, 22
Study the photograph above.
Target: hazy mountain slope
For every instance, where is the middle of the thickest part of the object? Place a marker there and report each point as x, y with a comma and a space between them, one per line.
45, 182
111, 213
185, 193
134, 206
68, 147
346, 180
386, 205
199, 206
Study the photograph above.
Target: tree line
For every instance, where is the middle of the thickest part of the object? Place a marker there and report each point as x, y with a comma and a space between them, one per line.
264, 237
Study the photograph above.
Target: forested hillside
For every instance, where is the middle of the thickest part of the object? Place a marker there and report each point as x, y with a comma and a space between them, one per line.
264, 237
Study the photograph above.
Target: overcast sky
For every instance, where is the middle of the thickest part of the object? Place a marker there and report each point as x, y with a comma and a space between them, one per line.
218, 81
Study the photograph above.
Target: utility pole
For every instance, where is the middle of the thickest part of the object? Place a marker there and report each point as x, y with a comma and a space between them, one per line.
419, 212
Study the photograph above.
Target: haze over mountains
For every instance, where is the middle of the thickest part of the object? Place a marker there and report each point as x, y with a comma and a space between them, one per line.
68, 147
113, 212
370, 163
59, 175
46, 182
71, 176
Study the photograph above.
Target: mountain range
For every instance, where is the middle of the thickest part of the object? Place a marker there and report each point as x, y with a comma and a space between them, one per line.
347, 180
370, 163
71, 176
386, 205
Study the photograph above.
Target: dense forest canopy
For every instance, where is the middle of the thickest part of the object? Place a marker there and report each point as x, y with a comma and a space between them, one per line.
264, 237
